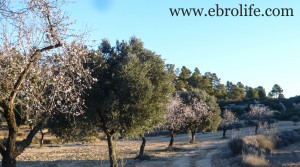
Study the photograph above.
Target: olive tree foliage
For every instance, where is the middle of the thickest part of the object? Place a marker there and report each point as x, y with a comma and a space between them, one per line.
175, 118
39, 70
260, 114
68, 128
132, 90
227, 119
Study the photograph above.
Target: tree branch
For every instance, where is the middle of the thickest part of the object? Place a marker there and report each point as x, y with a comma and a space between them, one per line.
25, 72
26, 142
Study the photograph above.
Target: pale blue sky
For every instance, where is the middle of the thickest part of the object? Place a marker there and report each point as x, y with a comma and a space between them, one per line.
253, 50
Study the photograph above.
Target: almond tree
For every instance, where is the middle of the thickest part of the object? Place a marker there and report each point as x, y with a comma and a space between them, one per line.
227, 119
260, 114
175, 118
40, 72
199, 115
205, 117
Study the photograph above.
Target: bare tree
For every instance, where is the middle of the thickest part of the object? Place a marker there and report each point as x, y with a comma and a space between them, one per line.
175, 118
227, 119
198, 116
260, 114
40, 72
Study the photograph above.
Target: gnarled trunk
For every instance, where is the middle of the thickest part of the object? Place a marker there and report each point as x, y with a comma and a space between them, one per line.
193, 133
142, 148
8, 160
111, 150
10, 150
173, 134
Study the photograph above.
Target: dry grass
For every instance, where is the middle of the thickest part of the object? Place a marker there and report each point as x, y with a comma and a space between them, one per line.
260, 142
266, 143
258, 145
254, 161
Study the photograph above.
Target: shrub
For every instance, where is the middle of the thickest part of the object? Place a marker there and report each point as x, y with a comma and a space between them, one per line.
295, 119
236, 146
265, 143
257, 145
286, 138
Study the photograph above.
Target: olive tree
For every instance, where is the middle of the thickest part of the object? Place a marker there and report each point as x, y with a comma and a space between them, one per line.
131, 93
39, 70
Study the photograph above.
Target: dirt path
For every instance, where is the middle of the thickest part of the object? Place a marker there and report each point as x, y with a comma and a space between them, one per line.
184, 154
208, 158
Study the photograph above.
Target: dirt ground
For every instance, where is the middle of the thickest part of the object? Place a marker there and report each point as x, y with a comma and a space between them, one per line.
201, 153
286, 157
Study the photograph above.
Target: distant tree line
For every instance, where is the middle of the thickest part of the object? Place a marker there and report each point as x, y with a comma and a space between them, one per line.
211, 84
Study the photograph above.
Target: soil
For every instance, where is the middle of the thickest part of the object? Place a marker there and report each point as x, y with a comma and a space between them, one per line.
286, 157
208, 150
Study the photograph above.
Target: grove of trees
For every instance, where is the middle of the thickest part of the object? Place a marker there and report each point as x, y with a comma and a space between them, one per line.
50, 78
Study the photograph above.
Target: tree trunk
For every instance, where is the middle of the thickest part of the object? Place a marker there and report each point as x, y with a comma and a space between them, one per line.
111, 150
8, 160
193, 132
172, 138
224, 133
42, 138
142, 148
256, 129
9, 157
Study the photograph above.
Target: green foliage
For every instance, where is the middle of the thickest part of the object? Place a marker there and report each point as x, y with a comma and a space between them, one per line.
276, 92
68, 128
132, 90
235, 92
252, 93
195, 79
261, 92
182, 82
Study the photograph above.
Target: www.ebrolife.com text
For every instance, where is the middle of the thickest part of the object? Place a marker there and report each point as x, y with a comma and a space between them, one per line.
242, 10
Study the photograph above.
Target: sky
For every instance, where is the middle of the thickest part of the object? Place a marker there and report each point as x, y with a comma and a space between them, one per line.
257, 51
